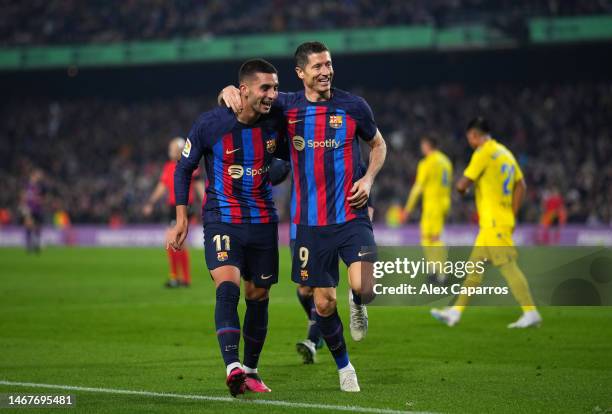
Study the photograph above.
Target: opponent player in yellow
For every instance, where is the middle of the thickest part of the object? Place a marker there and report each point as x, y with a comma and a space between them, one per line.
433, 182
499, 188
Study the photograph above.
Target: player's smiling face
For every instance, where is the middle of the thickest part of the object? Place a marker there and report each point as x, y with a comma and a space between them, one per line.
318, 73
261, 91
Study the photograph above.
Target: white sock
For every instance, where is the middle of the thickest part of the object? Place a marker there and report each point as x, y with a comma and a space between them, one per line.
249, 370
232, 366
349, 367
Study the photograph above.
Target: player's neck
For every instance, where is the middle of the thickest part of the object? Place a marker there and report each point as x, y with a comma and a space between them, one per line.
314, 96
248, 115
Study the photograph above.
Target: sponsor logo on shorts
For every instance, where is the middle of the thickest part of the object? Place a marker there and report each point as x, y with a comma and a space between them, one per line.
265, 277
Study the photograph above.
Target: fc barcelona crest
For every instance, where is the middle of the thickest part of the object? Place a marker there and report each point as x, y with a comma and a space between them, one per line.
335, 121
271, 146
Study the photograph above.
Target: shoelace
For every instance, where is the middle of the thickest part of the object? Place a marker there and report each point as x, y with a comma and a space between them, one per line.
357, 316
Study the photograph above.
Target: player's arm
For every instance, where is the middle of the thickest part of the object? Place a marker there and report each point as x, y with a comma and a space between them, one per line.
160, 190
520, 188
361, 188
415, 191
230, 97
475, 168
518, 195
190, 158
463, 184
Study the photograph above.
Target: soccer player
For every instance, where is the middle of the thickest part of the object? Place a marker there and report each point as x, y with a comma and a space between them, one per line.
433, 181
499, 188
308, 347
165, 185
32, 210
240, 220
323, 127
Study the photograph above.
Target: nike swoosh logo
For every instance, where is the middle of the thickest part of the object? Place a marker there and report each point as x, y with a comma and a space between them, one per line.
291, 121
360, 254
264, 277
228, 152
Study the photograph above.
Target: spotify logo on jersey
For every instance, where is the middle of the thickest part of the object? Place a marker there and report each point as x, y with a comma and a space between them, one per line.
235, 171
298, 142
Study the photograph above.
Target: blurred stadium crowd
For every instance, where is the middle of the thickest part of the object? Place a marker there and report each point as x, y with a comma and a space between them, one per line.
102, 158
77, 21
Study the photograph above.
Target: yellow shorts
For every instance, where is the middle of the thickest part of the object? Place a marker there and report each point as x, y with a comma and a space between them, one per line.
432, 224
494, 244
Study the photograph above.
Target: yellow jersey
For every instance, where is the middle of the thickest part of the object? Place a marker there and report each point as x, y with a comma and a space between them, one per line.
435, 176
495, 172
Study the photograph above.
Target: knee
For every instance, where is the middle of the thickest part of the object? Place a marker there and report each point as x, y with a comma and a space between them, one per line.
304, 291
257, 294
325, 305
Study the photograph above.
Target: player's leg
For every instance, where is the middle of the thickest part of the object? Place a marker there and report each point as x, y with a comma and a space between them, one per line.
434, 249
357, 249
333, 333
504, 257
260, 273
308, 347
227, 324
254, 331
315, 264
183, 260
452, 315
224, 251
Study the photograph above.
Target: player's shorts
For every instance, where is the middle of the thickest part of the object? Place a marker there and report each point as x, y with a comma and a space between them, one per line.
432, 224
251, 247
494, 244
316, 251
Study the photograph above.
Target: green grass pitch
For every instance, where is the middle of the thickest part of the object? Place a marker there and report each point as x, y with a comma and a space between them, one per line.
100, 318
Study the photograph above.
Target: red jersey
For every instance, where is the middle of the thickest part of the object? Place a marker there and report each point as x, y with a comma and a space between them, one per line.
167, 179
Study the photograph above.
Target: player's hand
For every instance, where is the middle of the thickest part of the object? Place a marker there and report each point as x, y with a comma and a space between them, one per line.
177, 236
147, 210
360, 192
231, 97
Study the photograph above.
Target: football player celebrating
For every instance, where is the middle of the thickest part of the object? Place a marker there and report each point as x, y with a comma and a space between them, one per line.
240, 230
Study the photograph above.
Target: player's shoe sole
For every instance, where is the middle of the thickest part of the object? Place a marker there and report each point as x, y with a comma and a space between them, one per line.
236, 382
307, 351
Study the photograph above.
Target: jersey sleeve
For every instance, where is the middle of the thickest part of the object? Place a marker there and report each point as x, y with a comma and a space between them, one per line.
284, 100
366, 126
477, 164
190, 159
421, 174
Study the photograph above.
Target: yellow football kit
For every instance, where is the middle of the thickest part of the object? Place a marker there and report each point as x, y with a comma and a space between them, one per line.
433, 182
495, 172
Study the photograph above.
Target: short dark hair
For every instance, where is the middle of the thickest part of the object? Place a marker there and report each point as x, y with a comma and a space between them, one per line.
306, 49
253, 66
480, 123
430, 140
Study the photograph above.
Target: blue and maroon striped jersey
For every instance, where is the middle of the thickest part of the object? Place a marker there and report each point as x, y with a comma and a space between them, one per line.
237, 160
325, 155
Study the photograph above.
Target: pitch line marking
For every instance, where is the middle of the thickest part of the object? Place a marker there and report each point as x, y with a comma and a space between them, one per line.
277, 403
